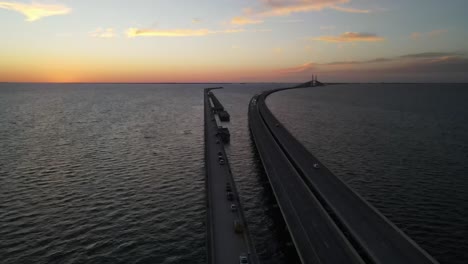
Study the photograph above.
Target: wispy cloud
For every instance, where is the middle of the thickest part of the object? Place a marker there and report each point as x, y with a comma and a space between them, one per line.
416, 35
424, 65
196, 20
350, 10
430, 55
35, 11
430, 34
306, 67
242, 20
275, 8
136, 32
351, 37
376, 60
423, 56
284, 8
103, 33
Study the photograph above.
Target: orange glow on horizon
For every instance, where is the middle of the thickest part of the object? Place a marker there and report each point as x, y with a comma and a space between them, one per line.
89, 69
133, 74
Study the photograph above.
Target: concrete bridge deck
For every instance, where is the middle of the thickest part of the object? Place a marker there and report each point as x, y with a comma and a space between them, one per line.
316, 238
372, 235
224, 244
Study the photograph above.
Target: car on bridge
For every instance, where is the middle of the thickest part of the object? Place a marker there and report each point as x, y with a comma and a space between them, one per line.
243, 259
233, 207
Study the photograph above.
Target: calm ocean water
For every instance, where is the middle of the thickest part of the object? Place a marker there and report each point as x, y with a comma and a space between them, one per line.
402, 147
113, 173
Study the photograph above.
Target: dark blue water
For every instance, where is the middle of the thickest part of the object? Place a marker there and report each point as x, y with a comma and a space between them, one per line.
114, 173
100, 174
404, 148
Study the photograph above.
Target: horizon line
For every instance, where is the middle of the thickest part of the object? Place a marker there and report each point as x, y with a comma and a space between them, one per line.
377, 82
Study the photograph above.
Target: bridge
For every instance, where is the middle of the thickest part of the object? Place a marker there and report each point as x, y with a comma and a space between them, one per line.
228, 237
328, 221
218, 108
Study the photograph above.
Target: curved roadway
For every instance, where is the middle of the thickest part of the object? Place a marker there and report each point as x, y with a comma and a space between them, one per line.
316, 237
375, 238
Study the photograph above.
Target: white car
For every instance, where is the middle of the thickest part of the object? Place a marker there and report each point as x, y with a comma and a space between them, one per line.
233, 207
243, 259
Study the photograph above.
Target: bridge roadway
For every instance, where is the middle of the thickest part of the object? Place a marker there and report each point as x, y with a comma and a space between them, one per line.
375, 238
224, 245
316, 238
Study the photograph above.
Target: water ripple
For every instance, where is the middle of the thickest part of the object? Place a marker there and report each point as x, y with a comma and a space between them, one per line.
80, 183
407, 156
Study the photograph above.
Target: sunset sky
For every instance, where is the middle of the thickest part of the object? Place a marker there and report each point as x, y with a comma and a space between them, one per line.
233, 40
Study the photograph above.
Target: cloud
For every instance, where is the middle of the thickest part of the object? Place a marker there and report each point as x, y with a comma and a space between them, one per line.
376, 60
351, 37
426, 66
350, 10
306, 67
421, 57
103, 33
430, 34
430, 55
240, 20
452, 64
416, 35
35, 11
287, 7
196, 20
274, 8
136, 32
